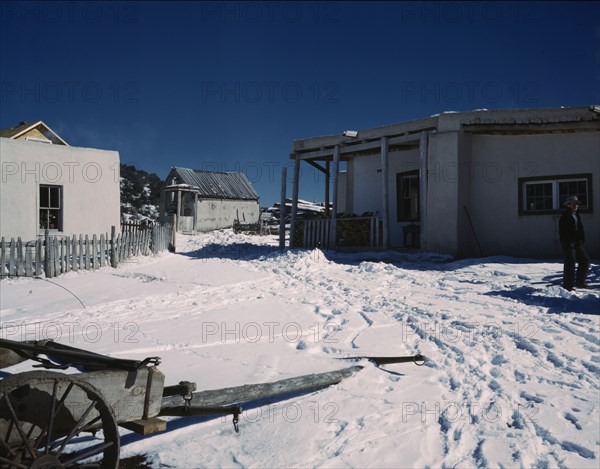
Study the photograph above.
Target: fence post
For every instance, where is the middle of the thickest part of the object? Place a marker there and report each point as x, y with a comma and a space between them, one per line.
113, 249
2, 257
47, 270
28, 261
38, 256
56, 271
94, 252
75, 256
51, 256
68, 258
19, 264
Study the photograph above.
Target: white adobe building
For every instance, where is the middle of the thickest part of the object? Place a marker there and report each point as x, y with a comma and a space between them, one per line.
468, 184
48, 184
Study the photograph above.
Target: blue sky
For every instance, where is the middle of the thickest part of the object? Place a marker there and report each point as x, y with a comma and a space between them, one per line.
228, 86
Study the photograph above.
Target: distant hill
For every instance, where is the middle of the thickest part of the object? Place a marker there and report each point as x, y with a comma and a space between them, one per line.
140, 193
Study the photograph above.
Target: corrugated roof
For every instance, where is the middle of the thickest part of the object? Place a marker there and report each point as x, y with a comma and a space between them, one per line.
222, 185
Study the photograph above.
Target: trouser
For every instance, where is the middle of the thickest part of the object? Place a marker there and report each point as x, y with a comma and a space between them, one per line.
574, 253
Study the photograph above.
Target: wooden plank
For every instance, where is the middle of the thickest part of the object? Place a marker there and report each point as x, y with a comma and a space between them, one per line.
68, 259
102, 250
29, 261
51, 257
3, 270
38, 256
385, 191
336, 171
81, 253
47, 269
56, 256
423, 188
145, 426
63, 267
75, 257
88, 254
113, 246
20, 268
283, 196
294, 215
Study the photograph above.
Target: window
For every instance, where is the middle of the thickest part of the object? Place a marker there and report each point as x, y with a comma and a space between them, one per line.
51, 207
547, 194
407, 195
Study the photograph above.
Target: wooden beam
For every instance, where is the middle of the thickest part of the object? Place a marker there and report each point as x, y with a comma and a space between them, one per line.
347, 149
282, 208
253, 392
318, 166
295, 189
336, 170
423, 186
327, 188
385, 190
145, 426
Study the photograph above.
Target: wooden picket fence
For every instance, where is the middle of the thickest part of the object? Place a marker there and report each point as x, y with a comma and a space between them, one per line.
55, 255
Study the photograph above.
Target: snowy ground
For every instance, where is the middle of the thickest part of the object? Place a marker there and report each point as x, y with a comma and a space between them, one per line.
512, 378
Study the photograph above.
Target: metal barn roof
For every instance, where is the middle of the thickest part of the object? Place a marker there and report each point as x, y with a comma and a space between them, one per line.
221, 185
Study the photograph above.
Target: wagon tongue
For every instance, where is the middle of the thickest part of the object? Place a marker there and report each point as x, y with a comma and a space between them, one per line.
62, 356
416, 359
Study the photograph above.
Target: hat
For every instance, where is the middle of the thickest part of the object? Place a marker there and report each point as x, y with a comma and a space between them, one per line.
572, 200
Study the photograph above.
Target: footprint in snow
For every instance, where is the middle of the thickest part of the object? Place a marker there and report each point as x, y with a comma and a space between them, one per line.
574, 420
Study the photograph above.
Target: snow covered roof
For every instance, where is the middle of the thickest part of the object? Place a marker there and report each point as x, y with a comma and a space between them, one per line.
211, 184
451, 120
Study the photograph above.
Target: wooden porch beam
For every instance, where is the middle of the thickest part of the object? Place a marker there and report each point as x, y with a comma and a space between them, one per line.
318, 166
327, 153
294, 214
336, 168
385, 190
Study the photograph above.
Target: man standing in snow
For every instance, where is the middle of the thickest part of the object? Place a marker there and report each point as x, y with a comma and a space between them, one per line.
572, 238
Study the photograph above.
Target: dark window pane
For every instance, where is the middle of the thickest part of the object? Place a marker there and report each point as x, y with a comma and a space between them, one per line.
44, 219
538, 196
44, 196
54, 197
53, 219
568, 189
407, 187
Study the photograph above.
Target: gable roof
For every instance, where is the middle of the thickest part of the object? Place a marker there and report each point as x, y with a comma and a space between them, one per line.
24, 127
210, 184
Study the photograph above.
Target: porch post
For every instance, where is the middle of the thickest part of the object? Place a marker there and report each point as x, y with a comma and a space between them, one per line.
423, 187
294, 201
327, 188
178, 205
385, 191
282, 208
336, 167
195, 211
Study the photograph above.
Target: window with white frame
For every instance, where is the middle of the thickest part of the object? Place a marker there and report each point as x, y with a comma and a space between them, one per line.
547, 194
50, 207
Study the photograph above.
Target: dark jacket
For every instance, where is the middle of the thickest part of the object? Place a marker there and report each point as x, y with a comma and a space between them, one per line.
569, 233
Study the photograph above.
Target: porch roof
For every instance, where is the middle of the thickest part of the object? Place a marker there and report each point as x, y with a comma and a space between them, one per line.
480, 120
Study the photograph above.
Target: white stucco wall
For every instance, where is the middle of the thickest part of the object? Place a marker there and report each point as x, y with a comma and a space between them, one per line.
441, 234
496, 164
89, 180
214, 214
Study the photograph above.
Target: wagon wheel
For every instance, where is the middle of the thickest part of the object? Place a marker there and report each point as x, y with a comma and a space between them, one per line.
42, 417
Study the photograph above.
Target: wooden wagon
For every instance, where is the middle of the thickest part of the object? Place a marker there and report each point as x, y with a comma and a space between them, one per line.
46, 416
